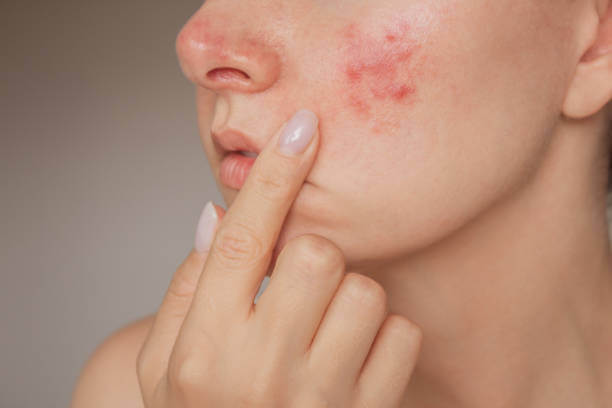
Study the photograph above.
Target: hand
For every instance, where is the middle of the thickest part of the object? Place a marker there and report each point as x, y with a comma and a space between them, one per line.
317, 336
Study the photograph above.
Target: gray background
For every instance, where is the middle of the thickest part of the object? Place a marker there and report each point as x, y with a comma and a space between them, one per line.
103, 179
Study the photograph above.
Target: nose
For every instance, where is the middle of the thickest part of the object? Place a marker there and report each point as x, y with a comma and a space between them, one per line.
221, 53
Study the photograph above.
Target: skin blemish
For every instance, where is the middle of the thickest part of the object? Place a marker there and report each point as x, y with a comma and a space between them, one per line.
377, 67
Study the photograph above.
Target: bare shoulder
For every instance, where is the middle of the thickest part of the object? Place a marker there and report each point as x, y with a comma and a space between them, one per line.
108, 378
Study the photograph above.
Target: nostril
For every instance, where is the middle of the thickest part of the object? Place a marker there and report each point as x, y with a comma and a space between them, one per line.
226, 74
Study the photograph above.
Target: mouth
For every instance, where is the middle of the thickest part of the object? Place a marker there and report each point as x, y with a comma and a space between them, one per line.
235, 168
231, 140
238, 151
248, 154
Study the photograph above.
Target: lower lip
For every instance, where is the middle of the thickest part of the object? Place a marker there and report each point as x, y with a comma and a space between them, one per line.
234, 169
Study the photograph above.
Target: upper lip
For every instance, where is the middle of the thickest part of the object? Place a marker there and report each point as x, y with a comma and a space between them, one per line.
232, 140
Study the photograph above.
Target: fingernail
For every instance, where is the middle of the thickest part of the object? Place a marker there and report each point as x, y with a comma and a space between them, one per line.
264, 284
206, 228
298, 132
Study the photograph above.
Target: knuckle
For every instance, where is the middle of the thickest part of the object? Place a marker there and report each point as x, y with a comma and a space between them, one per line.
186, 374
363, 290
316, 254
237, 245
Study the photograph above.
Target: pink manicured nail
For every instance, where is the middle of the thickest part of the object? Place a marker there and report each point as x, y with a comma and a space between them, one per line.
297, 133
206, 228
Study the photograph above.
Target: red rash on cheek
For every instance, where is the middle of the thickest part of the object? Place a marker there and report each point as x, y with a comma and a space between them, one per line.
376, 68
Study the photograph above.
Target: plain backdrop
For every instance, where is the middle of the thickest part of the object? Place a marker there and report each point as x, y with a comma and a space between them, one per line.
102, 175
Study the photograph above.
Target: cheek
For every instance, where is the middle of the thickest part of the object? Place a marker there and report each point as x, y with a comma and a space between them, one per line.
370, 68
380, 69
383, 68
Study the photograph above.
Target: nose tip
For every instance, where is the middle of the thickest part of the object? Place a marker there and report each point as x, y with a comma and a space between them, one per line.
226, 58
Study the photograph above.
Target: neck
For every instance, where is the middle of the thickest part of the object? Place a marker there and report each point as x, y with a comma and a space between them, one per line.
515, 306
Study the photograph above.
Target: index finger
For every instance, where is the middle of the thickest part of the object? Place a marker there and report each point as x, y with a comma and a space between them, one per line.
243, 245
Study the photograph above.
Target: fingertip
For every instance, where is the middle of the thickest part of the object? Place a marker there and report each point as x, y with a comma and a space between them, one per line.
298, 132
206, 228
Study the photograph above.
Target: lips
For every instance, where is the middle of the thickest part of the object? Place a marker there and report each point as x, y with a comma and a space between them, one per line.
239, 154
233, 140
234, 169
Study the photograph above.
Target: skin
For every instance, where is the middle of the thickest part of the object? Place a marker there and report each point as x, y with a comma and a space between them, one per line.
415, 146
462, 165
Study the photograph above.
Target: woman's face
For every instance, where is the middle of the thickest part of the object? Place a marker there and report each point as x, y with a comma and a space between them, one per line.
429, 110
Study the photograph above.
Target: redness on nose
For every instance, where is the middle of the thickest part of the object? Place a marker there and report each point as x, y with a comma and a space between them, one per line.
205, 36
199, 34
376, 66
